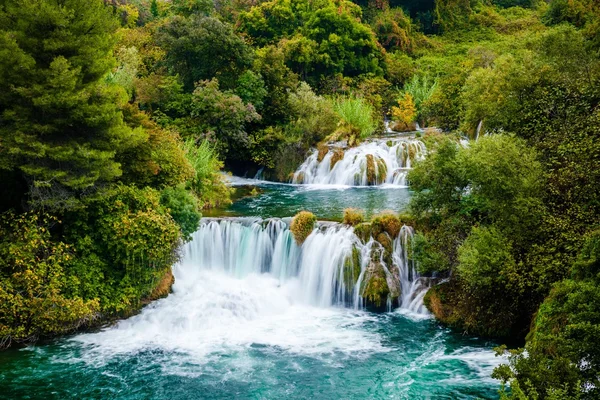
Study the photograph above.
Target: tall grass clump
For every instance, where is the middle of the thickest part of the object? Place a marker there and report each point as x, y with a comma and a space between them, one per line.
420, 88
356, 115
208, 183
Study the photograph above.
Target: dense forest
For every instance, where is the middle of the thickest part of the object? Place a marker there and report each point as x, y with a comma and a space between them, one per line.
117, 118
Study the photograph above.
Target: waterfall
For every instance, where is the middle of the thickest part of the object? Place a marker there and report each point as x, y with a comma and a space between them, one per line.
413, 285
328, 269
377, 162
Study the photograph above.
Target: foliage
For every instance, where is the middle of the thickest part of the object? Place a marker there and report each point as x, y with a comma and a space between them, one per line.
34, 282
563, 356
184, 209
124, 240
314, 116
223, 113
199, 48
406, 111
420, 89
472, 201
356, 117
353, 216
394, 30
60, 123
321, 39
207, 183
302, 225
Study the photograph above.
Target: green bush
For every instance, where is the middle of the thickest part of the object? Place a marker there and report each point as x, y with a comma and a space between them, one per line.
356, 116
34, 282
208, 183
183, 207
124, 240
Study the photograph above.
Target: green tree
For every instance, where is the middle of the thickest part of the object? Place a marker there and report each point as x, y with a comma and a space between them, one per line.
223, 113
199, 48
60, 124
563, 354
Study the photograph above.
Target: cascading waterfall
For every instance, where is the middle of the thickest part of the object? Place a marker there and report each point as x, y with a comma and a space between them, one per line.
329, 267
377, 162
413, 285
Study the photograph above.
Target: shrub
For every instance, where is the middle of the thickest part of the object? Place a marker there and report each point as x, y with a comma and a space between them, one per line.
387, 222
183, 207
356, 116
353, 216
303, 225
33, 282
208, 182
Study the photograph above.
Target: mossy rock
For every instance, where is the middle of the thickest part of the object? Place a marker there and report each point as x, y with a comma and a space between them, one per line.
322, 152
387, 222
352, 141
376, 288
412, 151
386, 241
441, 300
302, 226
351, 270
389, 143
407, 219
363, 231
353, 216
381, 172
371, 171
298, 178
338, 154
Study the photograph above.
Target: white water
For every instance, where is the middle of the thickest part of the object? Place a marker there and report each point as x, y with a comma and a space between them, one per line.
394, 155
244, 284
244, 246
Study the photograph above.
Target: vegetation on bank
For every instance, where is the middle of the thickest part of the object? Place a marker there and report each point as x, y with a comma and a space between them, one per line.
116, 117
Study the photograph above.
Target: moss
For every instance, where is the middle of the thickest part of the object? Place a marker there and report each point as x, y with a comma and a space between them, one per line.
352, 269
389, 143
353, 216
242, 191
338, 154
407, 219
440, 300
412, 151
376, 289
298, 178
322, 152
387, 222
381, 171
386, 241
363, 231
303, 225
352, 141
371, 172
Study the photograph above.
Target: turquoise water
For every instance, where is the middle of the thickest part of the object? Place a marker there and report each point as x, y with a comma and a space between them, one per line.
326, 202
254, 336
406, 359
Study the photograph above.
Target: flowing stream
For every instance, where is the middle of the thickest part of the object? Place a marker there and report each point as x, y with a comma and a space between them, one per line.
254, 315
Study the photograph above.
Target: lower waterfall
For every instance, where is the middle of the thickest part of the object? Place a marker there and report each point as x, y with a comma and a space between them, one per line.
329, 267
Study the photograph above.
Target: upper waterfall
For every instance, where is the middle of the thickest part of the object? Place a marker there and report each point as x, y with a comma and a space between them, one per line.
332, 267
375, 162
